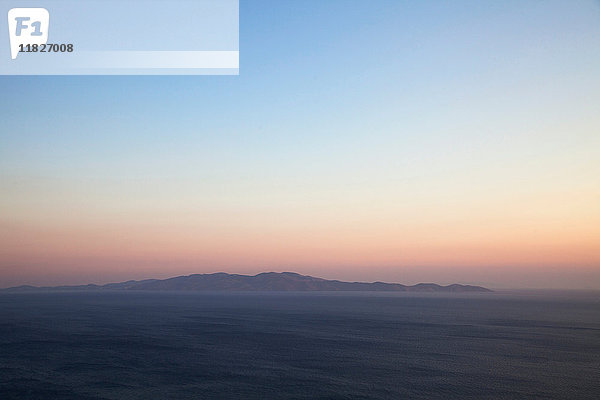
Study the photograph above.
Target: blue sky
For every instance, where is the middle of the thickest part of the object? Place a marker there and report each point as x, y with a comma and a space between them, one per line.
310, 69
402, 107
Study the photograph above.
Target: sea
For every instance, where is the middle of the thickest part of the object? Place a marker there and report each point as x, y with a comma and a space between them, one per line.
315, 345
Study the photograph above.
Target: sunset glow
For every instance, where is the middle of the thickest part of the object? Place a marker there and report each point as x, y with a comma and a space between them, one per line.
463, 147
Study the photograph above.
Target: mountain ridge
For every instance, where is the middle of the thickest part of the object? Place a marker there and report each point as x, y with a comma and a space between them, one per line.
265, 281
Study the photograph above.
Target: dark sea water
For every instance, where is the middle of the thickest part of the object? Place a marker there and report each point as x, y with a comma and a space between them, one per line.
134, 345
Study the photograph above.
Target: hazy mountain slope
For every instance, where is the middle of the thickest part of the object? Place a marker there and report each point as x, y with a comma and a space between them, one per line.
267, 281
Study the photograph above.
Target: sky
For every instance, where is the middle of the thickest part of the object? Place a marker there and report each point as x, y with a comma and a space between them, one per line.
401, 141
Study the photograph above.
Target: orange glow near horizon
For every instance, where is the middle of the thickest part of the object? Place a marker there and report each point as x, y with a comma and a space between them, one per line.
344, 245
464, 147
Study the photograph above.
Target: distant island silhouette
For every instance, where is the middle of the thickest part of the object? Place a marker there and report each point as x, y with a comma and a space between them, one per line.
266, 281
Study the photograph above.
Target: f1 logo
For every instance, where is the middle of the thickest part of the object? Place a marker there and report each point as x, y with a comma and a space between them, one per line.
27, 26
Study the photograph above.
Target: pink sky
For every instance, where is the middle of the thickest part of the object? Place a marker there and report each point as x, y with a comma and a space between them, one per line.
403, 142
